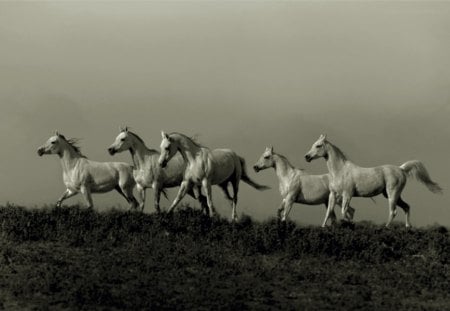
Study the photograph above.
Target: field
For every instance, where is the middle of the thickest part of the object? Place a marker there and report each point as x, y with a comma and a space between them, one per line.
73, 258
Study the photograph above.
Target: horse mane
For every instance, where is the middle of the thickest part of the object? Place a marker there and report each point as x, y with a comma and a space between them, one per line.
72, 142
191, 139
287, 161
140, 139
339, 151
136, 136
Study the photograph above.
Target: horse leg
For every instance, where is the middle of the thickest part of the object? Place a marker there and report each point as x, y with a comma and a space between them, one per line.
332, 215
207, 189
345, 203
224, 187
235, 185
120, 191
288, 203
196, 193
331, 203
141, 194
86, 192
157, 198
67, 194
393, 196
184, 187
405, 207
203, 201
280, 209
350, 213
128, 191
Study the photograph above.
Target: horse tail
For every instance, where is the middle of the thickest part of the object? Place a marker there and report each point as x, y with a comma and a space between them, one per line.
417, 169
247, 179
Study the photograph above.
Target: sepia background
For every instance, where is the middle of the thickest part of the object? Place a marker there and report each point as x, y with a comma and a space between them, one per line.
374, 76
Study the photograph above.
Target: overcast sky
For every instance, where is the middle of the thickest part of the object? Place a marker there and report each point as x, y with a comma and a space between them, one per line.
374, 76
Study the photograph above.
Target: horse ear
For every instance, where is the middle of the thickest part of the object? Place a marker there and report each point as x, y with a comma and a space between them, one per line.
164, 135
323, 136
56, 133
271, 149
125, 129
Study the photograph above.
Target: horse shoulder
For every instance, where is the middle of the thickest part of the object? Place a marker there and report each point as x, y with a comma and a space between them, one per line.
291, 184
77, 175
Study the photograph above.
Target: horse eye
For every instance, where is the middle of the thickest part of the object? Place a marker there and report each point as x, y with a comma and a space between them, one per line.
123, 139
267, 157
53, 142
318, 146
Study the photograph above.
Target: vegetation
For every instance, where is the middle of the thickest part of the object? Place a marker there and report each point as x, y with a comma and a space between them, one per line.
73, 258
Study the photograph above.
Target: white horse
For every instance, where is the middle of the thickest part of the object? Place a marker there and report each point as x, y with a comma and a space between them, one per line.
86, 176
297, 186
349, 180
205, 168
147, 172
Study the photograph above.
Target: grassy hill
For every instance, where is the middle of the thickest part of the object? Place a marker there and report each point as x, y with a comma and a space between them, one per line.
73, 258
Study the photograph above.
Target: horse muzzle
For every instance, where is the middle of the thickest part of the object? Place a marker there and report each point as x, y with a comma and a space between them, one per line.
40, 152
111, 151
308, 158
256, 168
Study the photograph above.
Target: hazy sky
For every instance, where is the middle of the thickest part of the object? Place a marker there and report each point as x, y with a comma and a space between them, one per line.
374, 76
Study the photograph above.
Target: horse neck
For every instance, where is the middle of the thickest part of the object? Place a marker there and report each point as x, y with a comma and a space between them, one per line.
336, 159
282, 167
69, 158
139, 152
189, 151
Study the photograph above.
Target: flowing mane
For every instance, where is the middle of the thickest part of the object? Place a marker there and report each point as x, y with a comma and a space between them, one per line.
136, 136
140, 139
287, 161
72, 142
339, 151
191, 139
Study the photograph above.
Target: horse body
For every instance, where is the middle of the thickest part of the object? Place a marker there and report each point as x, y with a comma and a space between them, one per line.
104, 179
349, 180
205, 168
147, 172
314, 189
295, 185
221, 164
86, 176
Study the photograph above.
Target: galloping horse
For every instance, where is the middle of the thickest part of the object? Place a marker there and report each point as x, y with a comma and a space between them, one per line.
206, 167
349, 180
147, 172
86, 176
297, 186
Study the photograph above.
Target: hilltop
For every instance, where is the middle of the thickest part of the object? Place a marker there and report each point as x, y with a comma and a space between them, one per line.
73, 258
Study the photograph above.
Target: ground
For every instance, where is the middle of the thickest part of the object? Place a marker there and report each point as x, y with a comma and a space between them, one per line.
72, 258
